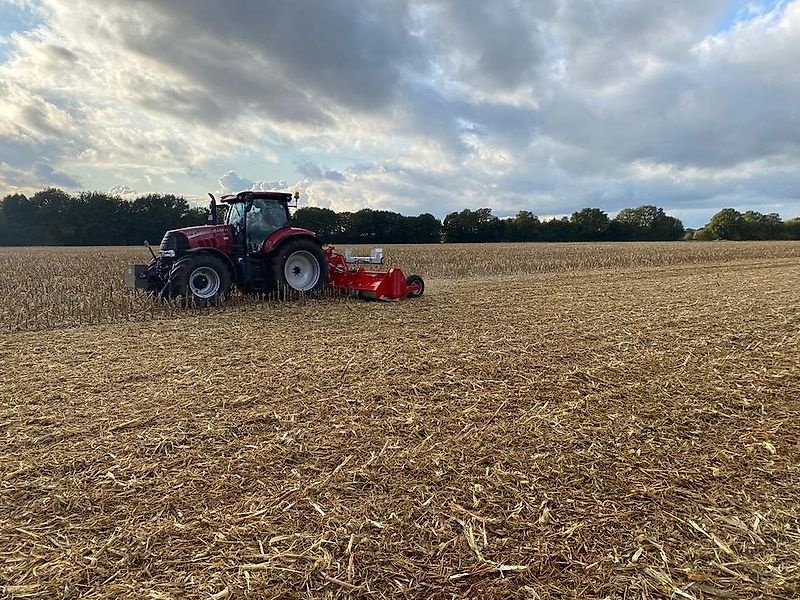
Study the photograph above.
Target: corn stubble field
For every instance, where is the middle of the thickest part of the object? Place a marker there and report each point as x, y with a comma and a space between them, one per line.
548, 421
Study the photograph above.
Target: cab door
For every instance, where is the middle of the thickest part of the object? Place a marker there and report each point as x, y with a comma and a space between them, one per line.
265, 217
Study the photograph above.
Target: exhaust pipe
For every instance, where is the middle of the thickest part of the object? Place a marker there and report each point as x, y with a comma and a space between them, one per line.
212, 209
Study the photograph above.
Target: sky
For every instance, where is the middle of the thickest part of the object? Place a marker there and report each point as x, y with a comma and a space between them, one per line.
409, 105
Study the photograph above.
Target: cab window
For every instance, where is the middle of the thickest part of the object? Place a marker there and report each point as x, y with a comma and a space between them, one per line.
265, 217
235, 214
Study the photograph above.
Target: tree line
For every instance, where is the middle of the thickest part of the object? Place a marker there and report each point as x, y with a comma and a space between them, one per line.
54, 217
730, 224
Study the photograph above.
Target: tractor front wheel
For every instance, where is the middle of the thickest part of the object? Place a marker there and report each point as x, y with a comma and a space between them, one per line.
300, 267
200, 280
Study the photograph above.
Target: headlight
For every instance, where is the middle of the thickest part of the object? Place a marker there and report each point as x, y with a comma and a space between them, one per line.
168, 253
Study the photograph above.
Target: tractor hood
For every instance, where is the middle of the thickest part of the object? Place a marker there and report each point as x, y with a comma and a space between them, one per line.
202, 236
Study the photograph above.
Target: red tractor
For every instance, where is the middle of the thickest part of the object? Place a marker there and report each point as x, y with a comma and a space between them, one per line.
258, 250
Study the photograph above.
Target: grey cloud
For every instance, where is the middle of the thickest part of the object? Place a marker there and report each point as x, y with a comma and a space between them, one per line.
308, 169
334, 175
704, 114
293, 60
603, 39
497, 44
446, 120
40, 174
312, 171
546, 105
45, 174
60, 53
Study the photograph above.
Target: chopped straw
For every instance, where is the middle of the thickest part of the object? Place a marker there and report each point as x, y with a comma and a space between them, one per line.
573, 434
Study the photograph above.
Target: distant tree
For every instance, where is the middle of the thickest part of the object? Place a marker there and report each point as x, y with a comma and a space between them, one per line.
524, 227
490, 228
19, 215
472, 226
154, 214
367, 225
52, 216
461, 226
383, 227
323, 221
647, 222
54, 221
757, 226
344, 228
590, 224
791, 229
727, 224
4, 227
100, 220
425, 229
557, 230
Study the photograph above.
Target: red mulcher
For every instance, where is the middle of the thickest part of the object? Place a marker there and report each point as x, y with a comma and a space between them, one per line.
257, 250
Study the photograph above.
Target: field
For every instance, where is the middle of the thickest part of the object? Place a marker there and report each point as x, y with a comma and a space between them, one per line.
45, 288
548, 421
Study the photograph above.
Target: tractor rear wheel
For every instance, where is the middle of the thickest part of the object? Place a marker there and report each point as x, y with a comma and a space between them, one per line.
200, 280
300, 267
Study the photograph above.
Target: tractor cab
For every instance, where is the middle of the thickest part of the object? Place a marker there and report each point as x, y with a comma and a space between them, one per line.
254, 216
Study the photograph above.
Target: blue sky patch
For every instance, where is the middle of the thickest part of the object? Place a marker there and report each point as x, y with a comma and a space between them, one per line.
14, 18
739, 11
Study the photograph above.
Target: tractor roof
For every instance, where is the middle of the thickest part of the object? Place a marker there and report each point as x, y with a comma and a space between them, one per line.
249, 195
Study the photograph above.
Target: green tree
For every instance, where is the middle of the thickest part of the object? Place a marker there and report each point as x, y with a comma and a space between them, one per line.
53, 208
425, 229
323, 221
524, 227
702, 234
20, 219
472, 226
727, 224
647, 222
791, 229
460, 226
590, 224
557, 230
757, 226
154, 214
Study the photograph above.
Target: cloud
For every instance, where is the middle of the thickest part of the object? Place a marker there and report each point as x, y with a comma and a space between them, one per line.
40, 175
421, 105
121, 190
231, 183
308, 169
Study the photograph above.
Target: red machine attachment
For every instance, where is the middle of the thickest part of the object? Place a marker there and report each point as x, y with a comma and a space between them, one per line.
344, 273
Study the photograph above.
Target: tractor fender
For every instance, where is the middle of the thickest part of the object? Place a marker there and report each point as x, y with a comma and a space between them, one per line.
225, 258
280, 237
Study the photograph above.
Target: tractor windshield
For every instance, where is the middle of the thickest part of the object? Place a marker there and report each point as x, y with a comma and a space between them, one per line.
235, 214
